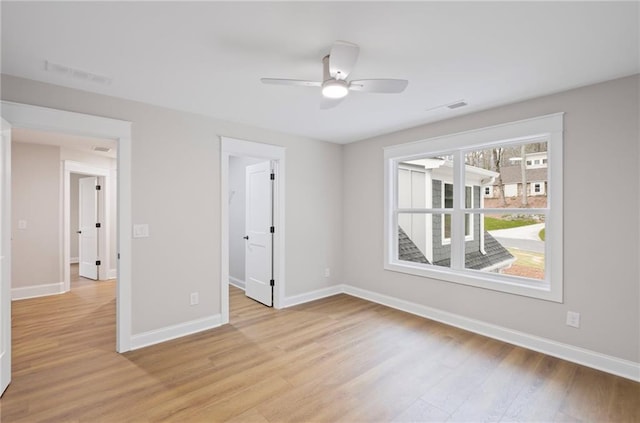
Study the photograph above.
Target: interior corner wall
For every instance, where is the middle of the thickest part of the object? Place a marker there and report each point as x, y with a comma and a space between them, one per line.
35, 199
601, 223
176, 190
74, 225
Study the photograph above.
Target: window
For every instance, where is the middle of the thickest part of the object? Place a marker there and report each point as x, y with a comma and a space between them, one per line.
544, 161
528, 162
537, 161
438, 223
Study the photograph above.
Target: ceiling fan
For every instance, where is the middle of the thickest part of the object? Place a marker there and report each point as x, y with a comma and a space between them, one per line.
337, 65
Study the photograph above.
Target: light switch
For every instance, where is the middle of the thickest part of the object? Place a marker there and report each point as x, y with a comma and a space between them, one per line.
22, 224
141, 230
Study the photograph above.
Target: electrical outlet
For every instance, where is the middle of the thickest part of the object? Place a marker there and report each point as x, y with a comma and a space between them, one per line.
194, 298
327, 272
22, 224
573, 319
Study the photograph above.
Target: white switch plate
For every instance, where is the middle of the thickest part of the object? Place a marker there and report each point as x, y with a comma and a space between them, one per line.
573, 319
140, 230
22, 224
194, 300
327, 272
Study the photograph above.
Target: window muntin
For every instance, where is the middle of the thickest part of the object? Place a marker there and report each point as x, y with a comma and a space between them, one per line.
463, 214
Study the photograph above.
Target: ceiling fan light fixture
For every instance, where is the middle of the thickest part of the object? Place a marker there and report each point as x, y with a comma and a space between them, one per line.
335, 88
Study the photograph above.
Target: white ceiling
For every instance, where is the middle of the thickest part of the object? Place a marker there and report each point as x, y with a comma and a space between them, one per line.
74, 142
208, 57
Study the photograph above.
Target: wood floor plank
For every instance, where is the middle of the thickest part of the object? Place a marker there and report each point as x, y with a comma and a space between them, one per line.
339, 359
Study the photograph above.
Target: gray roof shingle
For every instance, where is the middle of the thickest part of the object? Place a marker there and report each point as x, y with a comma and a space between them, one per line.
495, 253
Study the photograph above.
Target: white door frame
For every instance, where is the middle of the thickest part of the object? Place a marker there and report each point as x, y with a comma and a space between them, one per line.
46, 119
237, 147
103, 213
5, 250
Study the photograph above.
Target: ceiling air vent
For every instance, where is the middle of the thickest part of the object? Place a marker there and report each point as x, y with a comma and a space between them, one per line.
451, 106
457, 104
101, 149
77, 73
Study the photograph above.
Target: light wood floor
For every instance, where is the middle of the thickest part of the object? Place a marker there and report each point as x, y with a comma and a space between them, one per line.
340, 359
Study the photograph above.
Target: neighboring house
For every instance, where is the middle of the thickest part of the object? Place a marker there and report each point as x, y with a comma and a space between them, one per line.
535, 173
425, 238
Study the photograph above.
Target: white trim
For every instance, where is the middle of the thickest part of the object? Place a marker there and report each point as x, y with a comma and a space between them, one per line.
168, 333
236, 147
607, 363
46, 119
74, 260
35, 291
313, 295
236, 282
112, 273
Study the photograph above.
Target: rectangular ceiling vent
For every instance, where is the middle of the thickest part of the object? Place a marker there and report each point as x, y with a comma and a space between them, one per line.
101, 149
77, 73
457, 104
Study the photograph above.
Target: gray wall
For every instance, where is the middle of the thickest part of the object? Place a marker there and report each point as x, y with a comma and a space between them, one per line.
601, 279
180, 152
35, 197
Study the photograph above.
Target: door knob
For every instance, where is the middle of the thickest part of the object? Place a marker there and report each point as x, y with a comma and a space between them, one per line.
78, 232
246, 237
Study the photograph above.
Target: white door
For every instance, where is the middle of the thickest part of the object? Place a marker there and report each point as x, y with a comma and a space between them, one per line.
5, 257
259, 239
87, 219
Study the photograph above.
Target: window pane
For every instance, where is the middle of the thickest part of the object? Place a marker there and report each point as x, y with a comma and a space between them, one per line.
516, 175
420, 239
426, 183
510, 244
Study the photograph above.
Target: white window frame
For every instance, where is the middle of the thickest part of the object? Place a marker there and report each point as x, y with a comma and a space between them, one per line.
445, 240
548, 128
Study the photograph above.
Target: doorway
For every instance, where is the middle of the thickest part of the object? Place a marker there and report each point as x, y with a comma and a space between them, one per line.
90, 243
250, 220
42, 118
240, 157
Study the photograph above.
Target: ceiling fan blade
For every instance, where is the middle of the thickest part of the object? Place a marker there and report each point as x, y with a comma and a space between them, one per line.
298, 82
379, 85
342, 58
330, 103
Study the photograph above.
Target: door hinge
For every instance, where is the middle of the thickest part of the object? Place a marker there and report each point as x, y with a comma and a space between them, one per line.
272, 282
97, 262
273, 229
118, 256
98, 225
98, 187
273, 176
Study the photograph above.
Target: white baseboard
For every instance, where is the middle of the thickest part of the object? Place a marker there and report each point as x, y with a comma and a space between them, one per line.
606, 363
35, 291
237, 282
112, 274
313, 295
168, 333
74, 260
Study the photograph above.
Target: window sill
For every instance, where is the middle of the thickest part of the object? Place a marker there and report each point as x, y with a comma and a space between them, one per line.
500, 283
